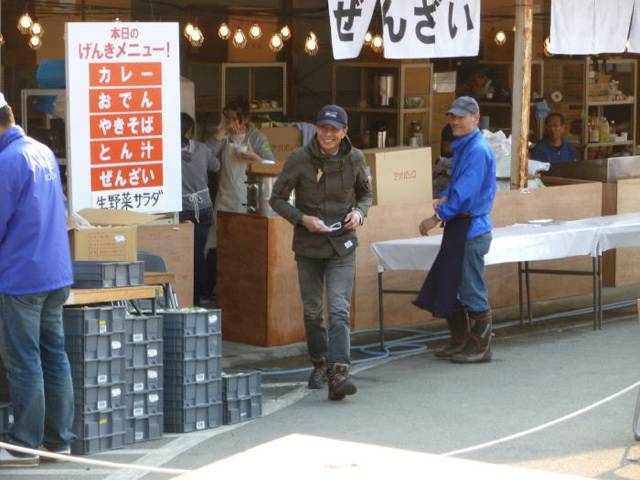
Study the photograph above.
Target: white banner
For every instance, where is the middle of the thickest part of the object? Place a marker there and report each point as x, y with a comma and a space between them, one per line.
634, 34
584, 27
349, 21
431, 29
123, 116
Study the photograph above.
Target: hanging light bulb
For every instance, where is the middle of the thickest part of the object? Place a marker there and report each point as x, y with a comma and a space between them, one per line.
2, 42
311, 44
285, 33
276, 42
500, 38
35, 42
24, 23
546, 45
188, 30
224, 32
367, 38
36, 29
377, 43
239, 39
197, 37
255, 32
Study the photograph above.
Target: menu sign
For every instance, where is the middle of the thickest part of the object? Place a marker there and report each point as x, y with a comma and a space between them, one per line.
123, 118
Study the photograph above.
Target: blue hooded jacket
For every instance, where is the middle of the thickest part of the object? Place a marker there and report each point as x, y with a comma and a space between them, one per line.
34, 245
473, 183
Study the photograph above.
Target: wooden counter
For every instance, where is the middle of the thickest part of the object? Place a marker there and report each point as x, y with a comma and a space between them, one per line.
258, 281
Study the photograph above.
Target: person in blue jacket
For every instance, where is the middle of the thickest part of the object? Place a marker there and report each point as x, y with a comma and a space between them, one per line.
553, 147
467, 202
35, 276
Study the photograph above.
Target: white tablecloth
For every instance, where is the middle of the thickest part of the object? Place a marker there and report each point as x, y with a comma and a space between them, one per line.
522, 242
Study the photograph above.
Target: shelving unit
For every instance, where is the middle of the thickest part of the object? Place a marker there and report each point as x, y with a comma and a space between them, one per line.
241, 80
583, 100
499, 108
353, 88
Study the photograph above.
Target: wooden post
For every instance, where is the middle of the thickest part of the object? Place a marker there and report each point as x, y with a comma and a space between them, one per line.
521, 95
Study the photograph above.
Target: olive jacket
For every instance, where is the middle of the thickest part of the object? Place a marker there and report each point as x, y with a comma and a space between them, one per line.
328, 187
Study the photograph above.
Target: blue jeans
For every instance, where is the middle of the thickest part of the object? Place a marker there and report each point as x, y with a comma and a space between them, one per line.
472, 292
337, 273
38, 372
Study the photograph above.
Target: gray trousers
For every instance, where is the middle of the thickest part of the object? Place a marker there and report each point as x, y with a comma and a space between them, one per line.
337, 274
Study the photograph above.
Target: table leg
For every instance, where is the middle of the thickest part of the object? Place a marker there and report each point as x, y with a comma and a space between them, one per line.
521, 300
600, 311
380, 312
594, 276
528, 285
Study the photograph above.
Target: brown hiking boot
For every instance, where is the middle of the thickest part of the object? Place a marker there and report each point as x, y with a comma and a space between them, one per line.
458, 326
318, 376
340, 382
478, 348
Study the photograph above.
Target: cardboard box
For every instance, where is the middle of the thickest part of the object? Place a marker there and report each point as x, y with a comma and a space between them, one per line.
400, 175
284, 141
110, 235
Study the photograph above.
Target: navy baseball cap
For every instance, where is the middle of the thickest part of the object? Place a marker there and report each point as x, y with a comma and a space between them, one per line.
463, 106
332, 115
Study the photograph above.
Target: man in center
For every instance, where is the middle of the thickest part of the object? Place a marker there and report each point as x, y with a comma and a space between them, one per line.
332, 197
455, 287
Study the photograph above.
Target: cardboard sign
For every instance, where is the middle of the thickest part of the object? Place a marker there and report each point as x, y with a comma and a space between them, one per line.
123, 132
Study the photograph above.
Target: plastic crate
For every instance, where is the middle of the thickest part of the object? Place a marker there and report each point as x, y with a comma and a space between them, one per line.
236, 411
98, 274
97, 372
198, 346
99, 424
143, 328
144, 403
240, 385
142, 429
103, 397
187, 323
144, 379
93, 320
193, 394
95, 347
6, 417
87, 446
144, 354
179, 372
194, 418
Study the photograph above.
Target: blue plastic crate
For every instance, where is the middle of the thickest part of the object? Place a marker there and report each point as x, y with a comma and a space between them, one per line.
142, 429
145, 403
94, 347
98, 398
97, 372
101, 274
236, 411
188, 322
178, 371
6, 417
239, 385
88, 446
143, 328
99, 424
93, 320
143, 379
193, 394
197, 346
193, 419
144, 354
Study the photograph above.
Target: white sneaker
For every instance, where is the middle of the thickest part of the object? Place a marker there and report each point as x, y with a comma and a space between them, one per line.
63, 451
8, 459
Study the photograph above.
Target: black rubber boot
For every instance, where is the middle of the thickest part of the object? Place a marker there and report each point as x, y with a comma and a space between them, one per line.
459, 328
340, 382
318, 376
478, 348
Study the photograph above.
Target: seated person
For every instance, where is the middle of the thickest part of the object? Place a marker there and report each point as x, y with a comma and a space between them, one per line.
553, 148
442, 170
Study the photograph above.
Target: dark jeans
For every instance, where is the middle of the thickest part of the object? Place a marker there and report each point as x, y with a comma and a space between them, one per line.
38, 372
337, 273
472, 292
201, 274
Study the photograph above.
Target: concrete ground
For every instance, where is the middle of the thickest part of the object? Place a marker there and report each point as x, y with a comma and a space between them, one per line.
421, 404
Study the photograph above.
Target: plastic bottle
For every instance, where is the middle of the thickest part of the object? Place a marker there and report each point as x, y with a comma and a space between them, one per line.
612, 131
604, 130
594, 132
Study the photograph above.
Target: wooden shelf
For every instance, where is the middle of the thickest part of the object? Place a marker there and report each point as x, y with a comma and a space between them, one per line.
88, 296
608, 144
611, 103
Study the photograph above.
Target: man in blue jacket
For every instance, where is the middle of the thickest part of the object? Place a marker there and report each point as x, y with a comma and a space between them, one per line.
35, 275
468, 199
553, 148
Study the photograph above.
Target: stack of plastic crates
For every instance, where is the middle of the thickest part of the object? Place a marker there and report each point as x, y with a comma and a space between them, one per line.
193, 359
95, 344
242, 396
144, 397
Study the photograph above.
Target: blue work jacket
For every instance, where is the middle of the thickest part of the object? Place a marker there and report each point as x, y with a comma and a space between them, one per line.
545, 152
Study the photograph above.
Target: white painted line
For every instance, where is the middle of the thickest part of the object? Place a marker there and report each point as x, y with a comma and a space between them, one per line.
57, 472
